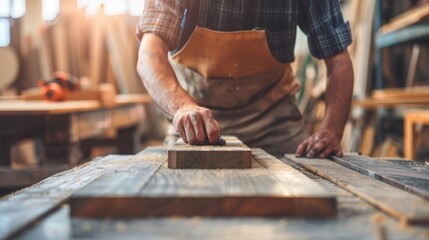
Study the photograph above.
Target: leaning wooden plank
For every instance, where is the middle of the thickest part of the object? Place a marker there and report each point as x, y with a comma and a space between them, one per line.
234, 154
256, 191
406, 178
400, 204
119, 54
25, 207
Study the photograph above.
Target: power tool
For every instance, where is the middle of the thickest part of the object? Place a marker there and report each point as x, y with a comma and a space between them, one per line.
59, 87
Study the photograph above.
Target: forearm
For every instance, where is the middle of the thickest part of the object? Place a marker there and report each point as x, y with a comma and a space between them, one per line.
339, 91
158, 75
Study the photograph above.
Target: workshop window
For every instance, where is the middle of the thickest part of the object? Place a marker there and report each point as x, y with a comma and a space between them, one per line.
50, 9
4, 32
9, 9
12, 8
135, 7
113, 7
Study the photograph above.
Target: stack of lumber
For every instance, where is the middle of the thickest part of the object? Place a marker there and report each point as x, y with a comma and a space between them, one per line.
102, 48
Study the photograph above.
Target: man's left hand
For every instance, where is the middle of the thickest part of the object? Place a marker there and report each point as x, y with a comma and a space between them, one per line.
321, 144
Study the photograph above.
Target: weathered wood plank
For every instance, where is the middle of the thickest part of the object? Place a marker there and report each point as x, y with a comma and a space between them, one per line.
405, 178
361, 226
400, 204
257, 191
355, 220
22, 208
18, 178
234, 154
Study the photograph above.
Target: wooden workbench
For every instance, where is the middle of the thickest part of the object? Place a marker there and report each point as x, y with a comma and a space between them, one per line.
39, 212
67, 130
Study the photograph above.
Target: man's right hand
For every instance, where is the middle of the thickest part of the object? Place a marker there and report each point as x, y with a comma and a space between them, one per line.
195, 124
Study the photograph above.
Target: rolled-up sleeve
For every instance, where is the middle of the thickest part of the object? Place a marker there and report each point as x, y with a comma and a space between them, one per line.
162, 18
323, 23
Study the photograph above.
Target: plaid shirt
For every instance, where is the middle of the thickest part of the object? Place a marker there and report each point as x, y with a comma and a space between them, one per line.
320, 20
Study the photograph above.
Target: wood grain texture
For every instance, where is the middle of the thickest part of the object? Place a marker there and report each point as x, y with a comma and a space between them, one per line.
25, 207
23, 177
234, 154
150, 188
405, 178
400, 204
20, 107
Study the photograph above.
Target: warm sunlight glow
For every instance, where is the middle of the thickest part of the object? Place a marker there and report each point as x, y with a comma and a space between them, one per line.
50, 9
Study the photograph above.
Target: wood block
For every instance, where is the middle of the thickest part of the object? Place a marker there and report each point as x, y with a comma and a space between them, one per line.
406, 207
234, 154
149, 188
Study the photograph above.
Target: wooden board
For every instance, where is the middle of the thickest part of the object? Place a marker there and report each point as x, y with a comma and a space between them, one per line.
149, 188
24, 177
121, 58
234, 154
43, 107
389, 102
28, 205
402, 93
405, 206
408, 179
408, 18
19, 107
356, 219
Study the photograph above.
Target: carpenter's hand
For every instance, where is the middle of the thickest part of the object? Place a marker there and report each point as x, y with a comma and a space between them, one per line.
321, 144
196, 124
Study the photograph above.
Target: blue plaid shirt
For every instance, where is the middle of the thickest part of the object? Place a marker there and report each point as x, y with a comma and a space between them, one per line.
320, 20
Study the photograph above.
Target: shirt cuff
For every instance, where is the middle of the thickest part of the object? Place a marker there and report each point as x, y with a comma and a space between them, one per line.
329, 40
165, 25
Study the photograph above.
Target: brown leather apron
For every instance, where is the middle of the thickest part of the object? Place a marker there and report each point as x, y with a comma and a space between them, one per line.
249, 92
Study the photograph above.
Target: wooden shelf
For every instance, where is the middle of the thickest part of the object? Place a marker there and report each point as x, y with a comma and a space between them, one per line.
405, 35
392, 98
408, 18
23, 107
410, 26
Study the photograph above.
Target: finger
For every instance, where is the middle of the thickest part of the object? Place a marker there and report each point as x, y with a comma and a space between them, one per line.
301, 148
178, 125
198, 127
218, 129
339, 153
310, 146
189, 131
212, 127
182, 133
328, 151
317, 148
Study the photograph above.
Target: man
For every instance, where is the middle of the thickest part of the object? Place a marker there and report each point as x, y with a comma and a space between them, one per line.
229, 70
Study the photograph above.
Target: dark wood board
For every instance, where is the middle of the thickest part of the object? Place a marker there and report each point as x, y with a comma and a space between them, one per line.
356, 218
362, 226
234, 154
24, 177
402, 205
413, 180
150, 188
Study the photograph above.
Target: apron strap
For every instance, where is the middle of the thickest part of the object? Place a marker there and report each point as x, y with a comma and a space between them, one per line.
192, 13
